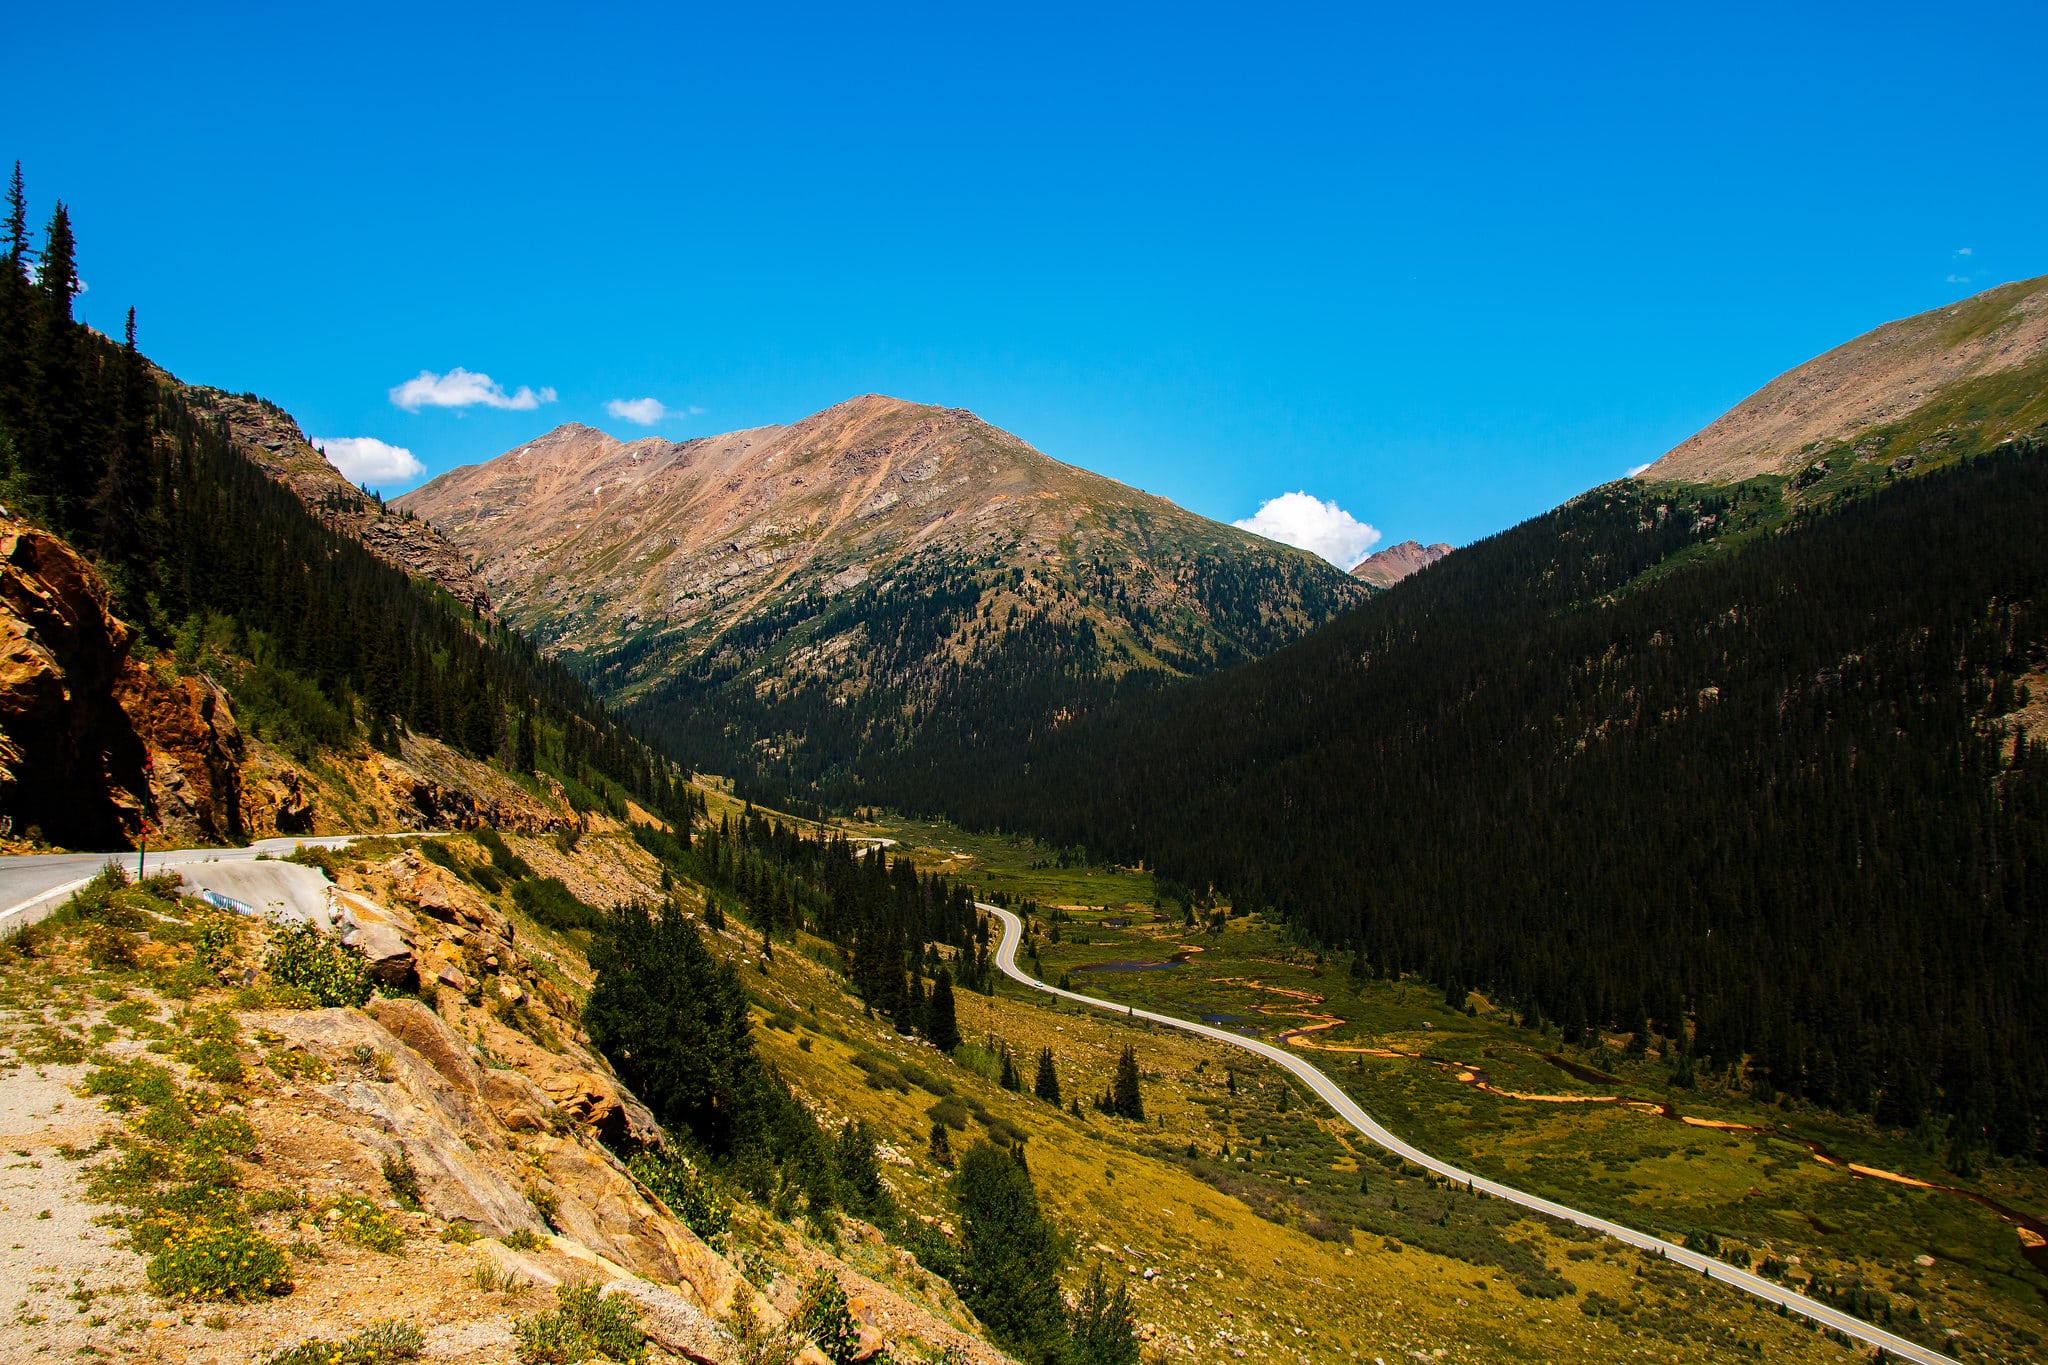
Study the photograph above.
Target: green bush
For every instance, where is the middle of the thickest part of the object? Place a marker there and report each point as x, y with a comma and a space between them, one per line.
502, 856
355, 1219
374, 1345
548, 902
822, 1318
208, 1261
584, 1326
329, 971
131, 1085
677, 1182
523, 1239
214, 1060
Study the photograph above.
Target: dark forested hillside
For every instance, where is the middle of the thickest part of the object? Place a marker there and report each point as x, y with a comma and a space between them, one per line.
1773, 799
108, 453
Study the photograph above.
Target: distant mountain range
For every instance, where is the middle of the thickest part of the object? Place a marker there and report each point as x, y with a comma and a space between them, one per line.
797, 604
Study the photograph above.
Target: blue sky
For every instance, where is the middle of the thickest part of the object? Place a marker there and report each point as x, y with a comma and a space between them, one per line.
1443, 266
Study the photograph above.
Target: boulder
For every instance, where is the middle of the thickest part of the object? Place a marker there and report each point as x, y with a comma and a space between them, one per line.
195, 753
384, 935
676, 1324
422, 1030
519, 1104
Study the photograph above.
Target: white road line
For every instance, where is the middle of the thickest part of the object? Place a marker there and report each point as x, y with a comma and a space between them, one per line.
1348, 1110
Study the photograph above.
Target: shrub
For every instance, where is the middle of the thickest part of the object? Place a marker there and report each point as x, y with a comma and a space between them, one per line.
822, 1319
548, 902
374, 1345
316, 856
328, 970
502, 856
403, 1179
584, 1326
131, 1085
355, 1219
523, 1239
677, 1182
214, 1060
205, 1261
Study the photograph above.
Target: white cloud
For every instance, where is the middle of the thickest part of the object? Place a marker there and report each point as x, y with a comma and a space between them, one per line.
1637, 469
1962, 251
1308, 523
1959, 279
460, 389
640, 411
367, 460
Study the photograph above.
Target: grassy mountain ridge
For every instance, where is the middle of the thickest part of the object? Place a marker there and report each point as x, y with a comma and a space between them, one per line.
805, 606
1917, 391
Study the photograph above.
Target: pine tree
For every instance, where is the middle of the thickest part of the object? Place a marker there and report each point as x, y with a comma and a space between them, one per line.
941, 1025
57, 270
1047, 1086
1010, 1079
528, 757
1103, 1329
1124, 1097
17, 222
1011, 1255
860, 1175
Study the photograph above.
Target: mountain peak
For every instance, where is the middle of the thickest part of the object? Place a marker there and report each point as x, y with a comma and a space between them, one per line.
1396, 562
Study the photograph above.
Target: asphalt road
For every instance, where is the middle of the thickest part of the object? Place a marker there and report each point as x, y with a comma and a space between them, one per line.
1348, 1110
34, 884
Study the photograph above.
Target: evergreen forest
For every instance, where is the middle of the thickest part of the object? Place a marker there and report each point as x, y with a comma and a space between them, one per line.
1664, 760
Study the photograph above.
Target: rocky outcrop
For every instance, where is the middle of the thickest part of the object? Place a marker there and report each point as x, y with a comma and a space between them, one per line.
464, 1168
71, 764
272, 440
385, 936
1396, 562
194, 754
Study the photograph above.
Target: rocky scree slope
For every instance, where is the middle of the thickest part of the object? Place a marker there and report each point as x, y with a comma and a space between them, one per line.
859, 561
1969, 376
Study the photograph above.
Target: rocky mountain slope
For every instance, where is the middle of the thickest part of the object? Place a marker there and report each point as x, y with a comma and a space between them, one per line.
268, 436
430, 1164
858, 563
1966, 377
97, 729
1385, 568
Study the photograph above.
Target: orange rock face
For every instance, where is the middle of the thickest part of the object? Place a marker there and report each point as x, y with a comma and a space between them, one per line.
71, 765
194, 754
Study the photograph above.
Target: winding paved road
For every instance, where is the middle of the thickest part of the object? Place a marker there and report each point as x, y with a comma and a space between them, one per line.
1348, 1110
34, 884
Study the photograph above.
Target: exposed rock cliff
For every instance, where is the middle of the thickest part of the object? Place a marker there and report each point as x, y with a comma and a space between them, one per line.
71, 765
